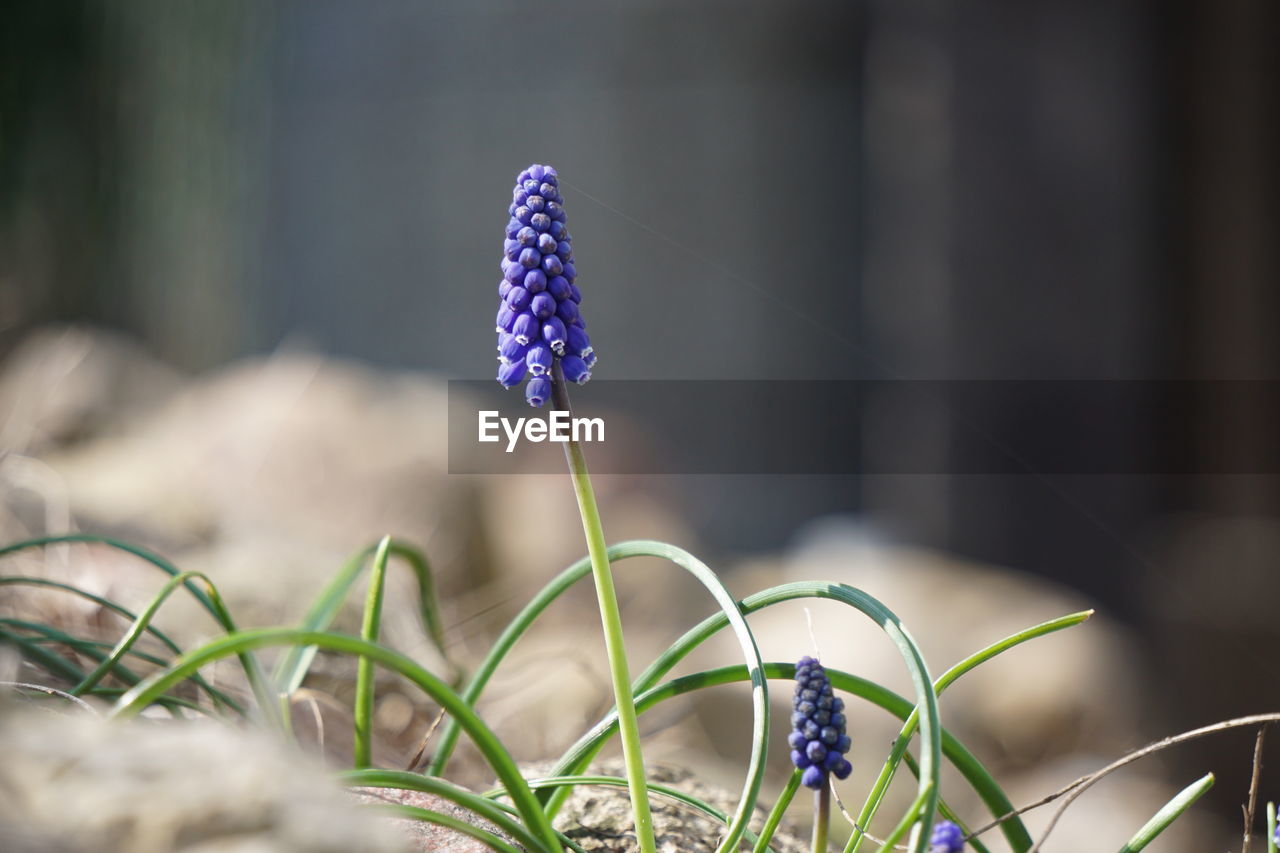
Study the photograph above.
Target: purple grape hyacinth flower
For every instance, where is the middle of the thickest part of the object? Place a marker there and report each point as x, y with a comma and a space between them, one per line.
946, 838
539, 322
818, 740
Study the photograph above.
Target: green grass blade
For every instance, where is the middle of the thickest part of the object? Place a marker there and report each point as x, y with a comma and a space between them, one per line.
914, 818
88, 648
210, 602
363, 713
483, 737
140, 624
484, 836
470, 800
1271, 828
1171, 811
943, 809
293, 667
50, 661
881, 786
515, 629
776, 813
215, 695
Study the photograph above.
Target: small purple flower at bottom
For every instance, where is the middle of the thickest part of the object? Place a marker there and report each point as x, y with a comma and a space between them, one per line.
818, 742
946, 838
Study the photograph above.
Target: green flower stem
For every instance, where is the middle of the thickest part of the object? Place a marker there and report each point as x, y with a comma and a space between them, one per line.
628, 726
776, 813
1271, 828
821, 818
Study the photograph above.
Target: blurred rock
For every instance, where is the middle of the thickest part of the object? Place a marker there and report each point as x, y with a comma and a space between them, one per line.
79, 784
64, 384
426, 836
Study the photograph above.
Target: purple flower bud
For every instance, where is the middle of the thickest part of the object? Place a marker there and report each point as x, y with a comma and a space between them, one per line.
548, 190
799, 759
518, 298
540, 221
510, 350
538, 391
814, 778
505, 318
555, 211
817, 730
513, 228
511, 375
525, 327
530, 258
526, 236
552, 265
535, 281
570, 272
539, 358
546, 244
590, 360
537, 172
514, 273
567, 310
543, 305
574, 293
564, 251
556, 230
558, 287
535, 203
575, 369
504, 287
577, 341
946, 838
554, 333
524, 214
518, 195
510, 249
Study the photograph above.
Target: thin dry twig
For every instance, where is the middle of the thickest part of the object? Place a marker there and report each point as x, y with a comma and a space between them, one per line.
1251, 809
422, 747
1074, 789
51, 691
854, 823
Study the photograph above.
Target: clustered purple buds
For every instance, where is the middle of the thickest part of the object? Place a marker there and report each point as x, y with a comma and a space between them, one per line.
538, 319
946, 838
818, 742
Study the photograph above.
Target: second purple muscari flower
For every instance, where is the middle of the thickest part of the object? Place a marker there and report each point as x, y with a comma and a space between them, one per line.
538, 319
818, 740
946, 838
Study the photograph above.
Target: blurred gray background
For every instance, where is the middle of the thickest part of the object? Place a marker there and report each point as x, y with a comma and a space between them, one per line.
912, 189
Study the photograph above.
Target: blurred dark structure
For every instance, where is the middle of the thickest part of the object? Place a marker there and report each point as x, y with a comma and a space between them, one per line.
1032, 190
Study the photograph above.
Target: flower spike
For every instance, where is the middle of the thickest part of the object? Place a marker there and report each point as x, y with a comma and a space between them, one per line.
539, 321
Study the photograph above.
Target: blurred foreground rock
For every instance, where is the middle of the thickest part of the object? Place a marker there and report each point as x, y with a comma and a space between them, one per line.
75, 784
